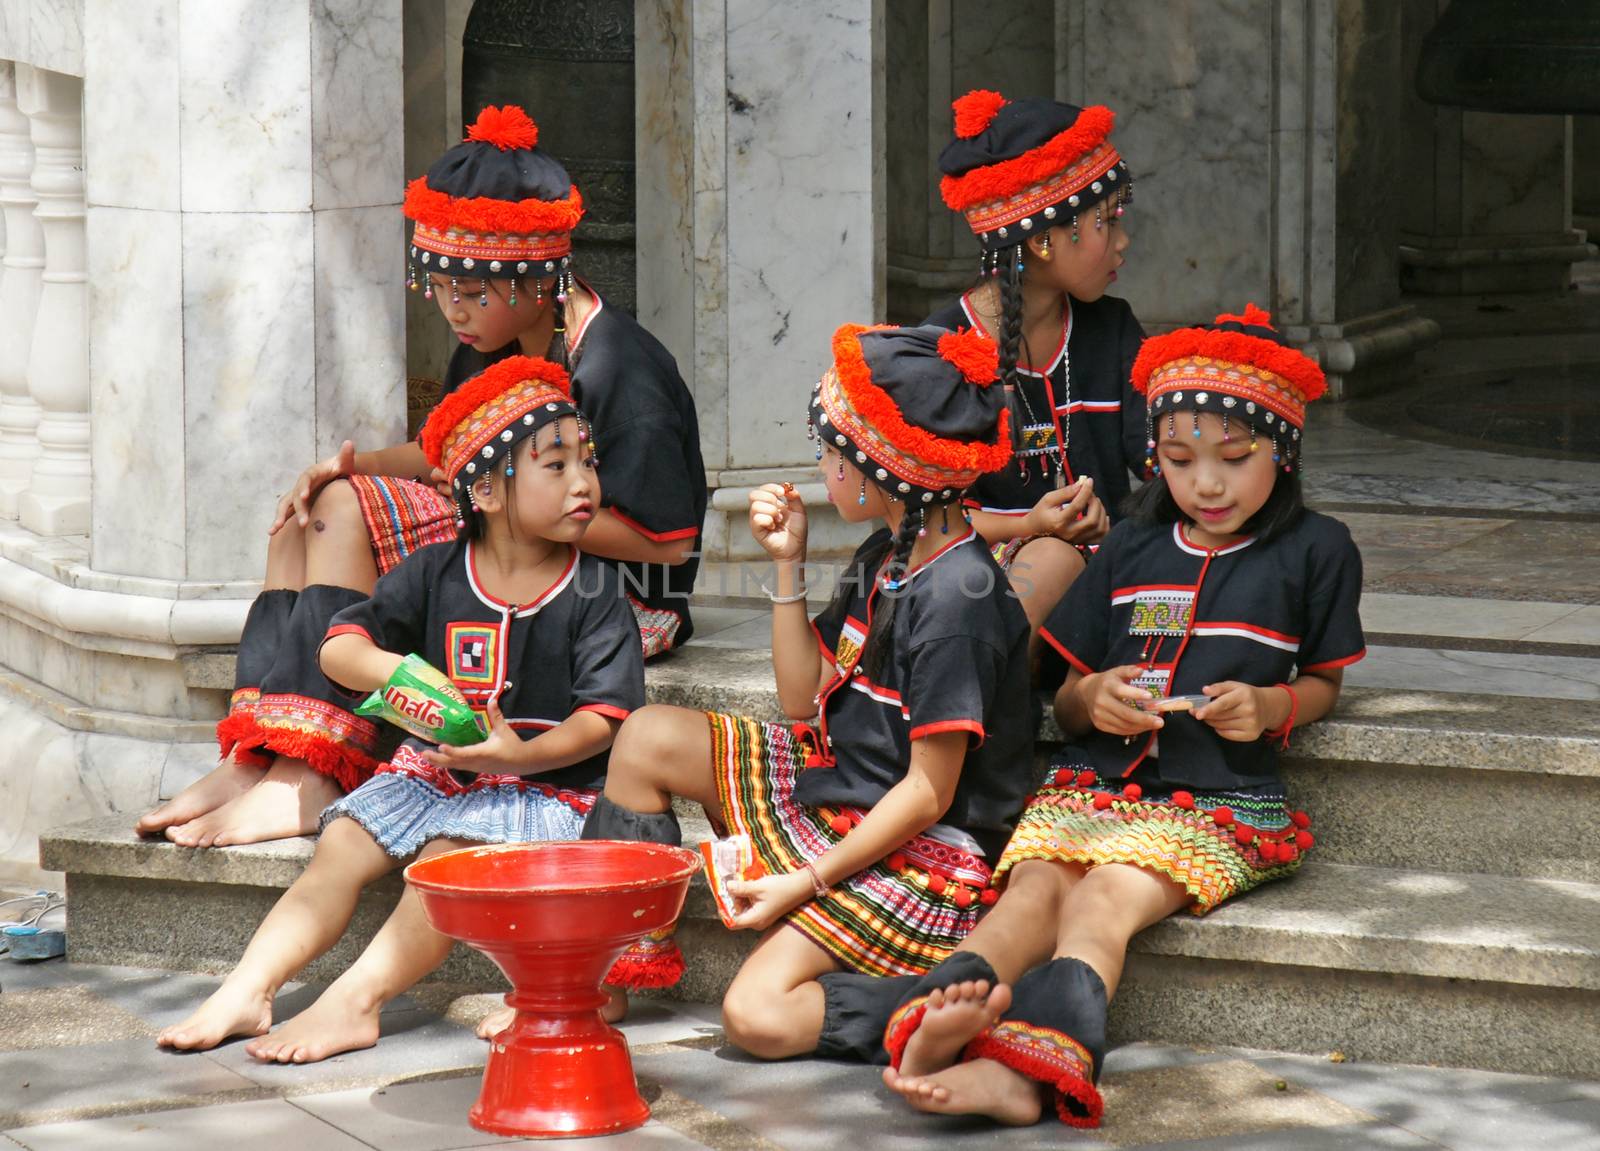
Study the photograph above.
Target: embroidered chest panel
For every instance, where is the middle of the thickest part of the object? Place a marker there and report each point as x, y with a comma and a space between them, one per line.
848, 650
1038, 440
1161, 611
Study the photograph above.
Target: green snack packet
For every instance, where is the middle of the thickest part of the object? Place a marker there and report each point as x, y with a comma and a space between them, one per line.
421, 699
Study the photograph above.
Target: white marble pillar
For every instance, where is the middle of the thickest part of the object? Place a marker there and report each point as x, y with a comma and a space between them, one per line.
247, 262
762, 136
19, 289
57, 499
1265, 154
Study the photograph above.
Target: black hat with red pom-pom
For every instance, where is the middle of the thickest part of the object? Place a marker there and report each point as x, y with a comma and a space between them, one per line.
913, 409
1020, 166
495, 206
1240, 368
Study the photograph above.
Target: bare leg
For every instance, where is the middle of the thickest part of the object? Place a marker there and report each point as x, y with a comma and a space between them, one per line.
308, 920
345, 1016
227, 781
333, 548
773, 1008
286, 801
1102, 912
286, 565
1040, 575
662, 751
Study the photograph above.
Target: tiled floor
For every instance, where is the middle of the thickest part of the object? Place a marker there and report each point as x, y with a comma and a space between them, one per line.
79, 1072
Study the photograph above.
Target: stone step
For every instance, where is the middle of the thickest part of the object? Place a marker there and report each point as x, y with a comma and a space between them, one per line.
1379, 963
1431, 781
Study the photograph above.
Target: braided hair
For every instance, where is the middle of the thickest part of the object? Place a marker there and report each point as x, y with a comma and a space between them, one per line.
899, 552
1008, 269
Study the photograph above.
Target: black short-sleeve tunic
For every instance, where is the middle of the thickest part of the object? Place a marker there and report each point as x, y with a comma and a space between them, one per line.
1191, 616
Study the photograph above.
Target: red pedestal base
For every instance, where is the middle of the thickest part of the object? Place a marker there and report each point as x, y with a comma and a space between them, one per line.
554, 917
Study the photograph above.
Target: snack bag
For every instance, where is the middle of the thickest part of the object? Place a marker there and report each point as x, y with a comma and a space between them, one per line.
726, 859
420, 699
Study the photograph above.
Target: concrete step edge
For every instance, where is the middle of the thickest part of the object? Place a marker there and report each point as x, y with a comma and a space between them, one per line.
1494, 929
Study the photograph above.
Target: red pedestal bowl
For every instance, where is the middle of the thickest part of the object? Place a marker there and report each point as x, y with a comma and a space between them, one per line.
554, 917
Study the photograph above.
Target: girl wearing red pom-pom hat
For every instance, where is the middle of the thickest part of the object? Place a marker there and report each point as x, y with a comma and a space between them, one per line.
1044, 191
1211, 621
878, 814
492, 246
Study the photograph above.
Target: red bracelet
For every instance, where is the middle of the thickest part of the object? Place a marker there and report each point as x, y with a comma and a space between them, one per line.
1281, 734
818, 888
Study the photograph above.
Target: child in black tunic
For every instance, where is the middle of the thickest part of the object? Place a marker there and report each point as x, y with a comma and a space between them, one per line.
537, 637
876, 817
492, 245
1212, 621
1044, 190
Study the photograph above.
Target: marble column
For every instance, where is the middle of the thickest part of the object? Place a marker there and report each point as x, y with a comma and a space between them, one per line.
1586, 175
247, 264
57, 499
935, 53
19, 289
1264, 149
761, 137
1488, 206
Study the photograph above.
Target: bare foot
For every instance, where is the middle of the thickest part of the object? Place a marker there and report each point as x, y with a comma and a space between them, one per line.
981, 1087
231, 1010
333, 1024
285, 803
615, 1011
228, 780
955, 1017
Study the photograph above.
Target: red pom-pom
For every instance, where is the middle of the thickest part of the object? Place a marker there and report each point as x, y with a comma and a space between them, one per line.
1300, 819
936, 884
1132, 791
1253, 317
1063, 779
1304, 841
989, 897
1102, 801
1222, 816
975, 354
1288, 852
1086, 778
841, 824
963, 897
506, 128
1184, 799
896, 862
1244, 834
1268, 851
976, 111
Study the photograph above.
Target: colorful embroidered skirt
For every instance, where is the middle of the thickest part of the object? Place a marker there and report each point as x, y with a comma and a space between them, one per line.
402, 516
658, 627
1215, 844
897, 917
409, 803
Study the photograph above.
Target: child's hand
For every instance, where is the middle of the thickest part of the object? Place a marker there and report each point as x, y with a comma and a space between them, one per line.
297, 500
768, 899
504, 750
1109, 697
1092, 525
441, 485
778, 521
1056, 509
1239, 711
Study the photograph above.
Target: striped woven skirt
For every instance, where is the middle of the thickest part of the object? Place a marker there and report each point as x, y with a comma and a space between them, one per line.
409, 803
1215, 844
900, 916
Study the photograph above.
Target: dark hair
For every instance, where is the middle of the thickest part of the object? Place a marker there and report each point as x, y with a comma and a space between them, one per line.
1009, 335
472, 523
899, 552
1153, 504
